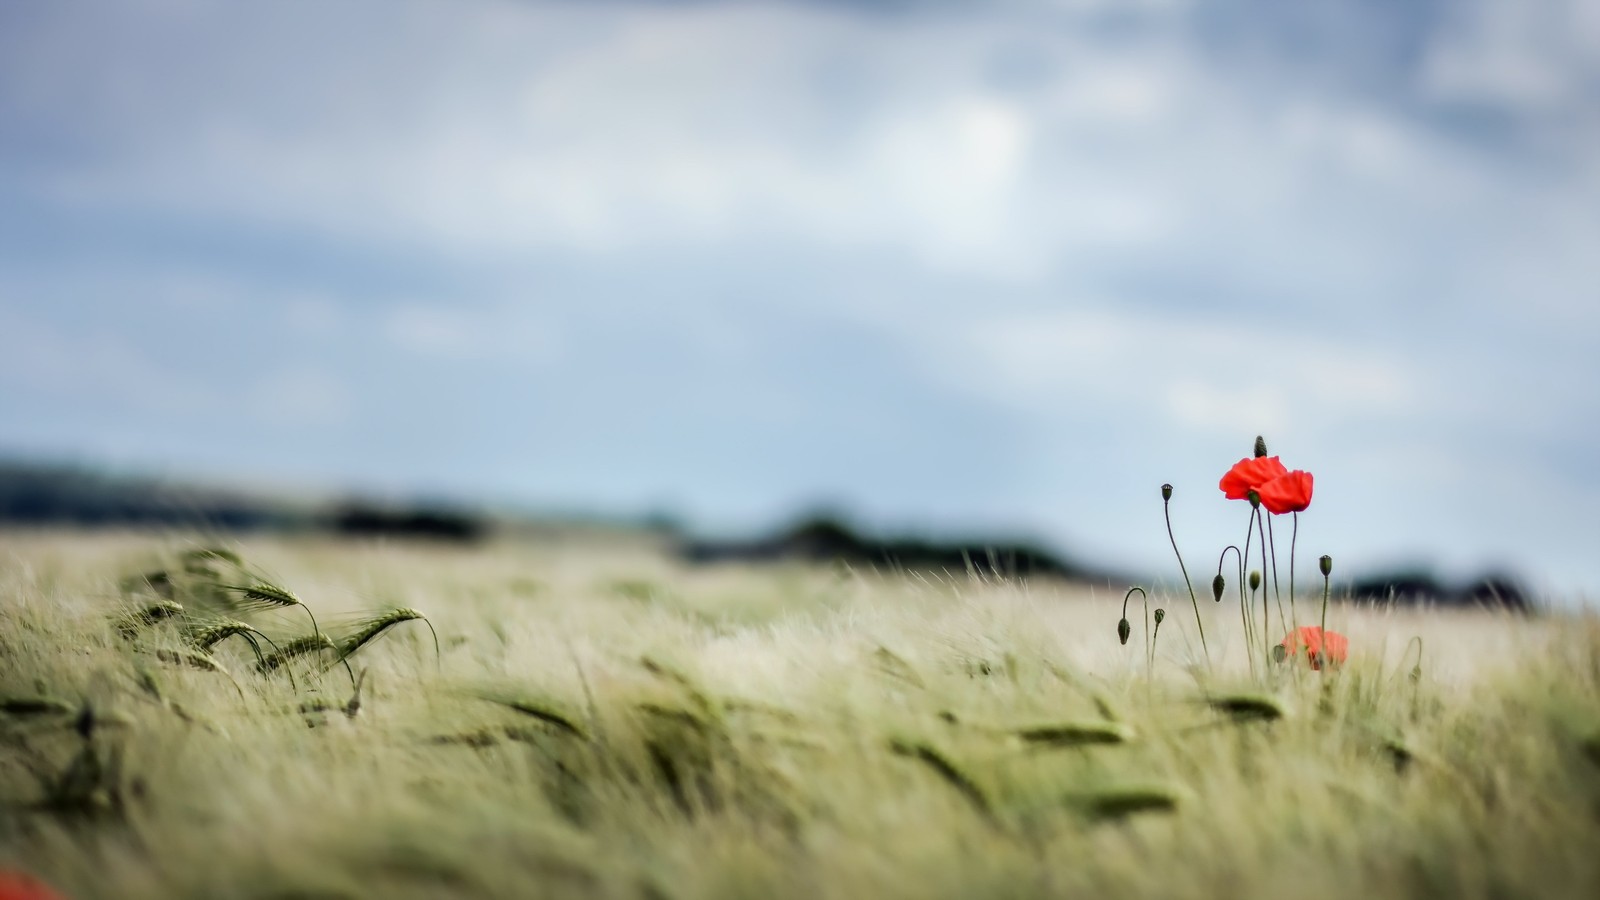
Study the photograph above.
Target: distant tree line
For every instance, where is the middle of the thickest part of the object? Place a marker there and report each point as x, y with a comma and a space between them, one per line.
53, 494
827, 539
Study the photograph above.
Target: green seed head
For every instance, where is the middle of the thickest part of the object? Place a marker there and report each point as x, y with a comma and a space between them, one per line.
1217, 584
1124, 630
1326, 565
1255, 579
1255, 500
1261, 446
1166, 492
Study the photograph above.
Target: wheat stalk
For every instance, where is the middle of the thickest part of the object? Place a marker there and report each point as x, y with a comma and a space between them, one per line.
206, 637
1121, 802
300, 646
1076, 734
941, 764
368, 630
159, 611
262, 594
201, 660
542, 711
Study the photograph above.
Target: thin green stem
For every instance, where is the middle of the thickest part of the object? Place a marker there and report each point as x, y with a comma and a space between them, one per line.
1272, 542
1294, 538
1155, 637
1266, 611
1277, 594
1325, 660
1244, 566
1166, 508
1263, 613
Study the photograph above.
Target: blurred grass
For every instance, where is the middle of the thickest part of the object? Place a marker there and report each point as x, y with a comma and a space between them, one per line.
607, 723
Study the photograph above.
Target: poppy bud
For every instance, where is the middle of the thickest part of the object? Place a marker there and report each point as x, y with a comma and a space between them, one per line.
1255, 499
1279, 653
1160, 614
1326, 565
1217, 584
1123, 630
1261, 446
1166, 492
1255, 579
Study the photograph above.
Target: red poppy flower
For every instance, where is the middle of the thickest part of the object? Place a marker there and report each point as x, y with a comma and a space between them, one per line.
20, 886
1331, 646
1286, 493
1249, 475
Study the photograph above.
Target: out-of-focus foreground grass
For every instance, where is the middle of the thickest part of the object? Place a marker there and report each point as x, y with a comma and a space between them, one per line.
601, 722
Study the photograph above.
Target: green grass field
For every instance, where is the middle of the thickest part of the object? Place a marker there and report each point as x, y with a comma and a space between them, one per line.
602, 722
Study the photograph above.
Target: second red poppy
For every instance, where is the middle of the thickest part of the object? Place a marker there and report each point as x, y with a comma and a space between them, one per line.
1290, 492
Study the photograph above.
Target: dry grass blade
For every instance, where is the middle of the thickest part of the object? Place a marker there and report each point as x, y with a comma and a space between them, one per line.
941, 764
894, 665
34, 707
158, 582
671, 673
1247, 707
1076, 734
212, 554
1120, 802
537, 709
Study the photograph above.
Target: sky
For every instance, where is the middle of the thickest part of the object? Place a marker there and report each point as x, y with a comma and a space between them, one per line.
948, 267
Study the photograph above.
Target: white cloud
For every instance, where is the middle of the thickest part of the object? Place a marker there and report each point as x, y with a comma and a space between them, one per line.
469, 331
1210, 377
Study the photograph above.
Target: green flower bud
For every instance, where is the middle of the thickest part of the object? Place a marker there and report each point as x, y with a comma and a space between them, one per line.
1123, 630
1278, 653
1217, 584
1255, 579
1261, 446
1160, 614
1255, 500
1166, 492
1326, 565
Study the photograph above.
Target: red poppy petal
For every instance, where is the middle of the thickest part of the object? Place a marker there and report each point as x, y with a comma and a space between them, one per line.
1287, 493
1249, 474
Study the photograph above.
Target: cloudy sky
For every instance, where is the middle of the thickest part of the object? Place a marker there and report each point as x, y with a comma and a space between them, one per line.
949, 266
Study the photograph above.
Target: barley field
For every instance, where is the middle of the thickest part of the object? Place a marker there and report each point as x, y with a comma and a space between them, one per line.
588, 718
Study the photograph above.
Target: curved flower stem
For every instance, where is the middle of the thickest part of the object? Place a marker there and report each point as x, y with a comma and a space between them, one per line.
1244, 618
1416, 670
1166, 509
1146, 617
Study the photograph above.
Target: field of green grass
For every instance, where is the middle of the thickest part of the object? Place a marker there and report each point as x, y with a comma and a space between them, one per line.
598, 721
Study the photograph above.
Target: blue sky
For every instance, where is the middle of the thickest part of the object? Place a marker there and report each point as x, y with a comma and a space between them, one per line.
949, 266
